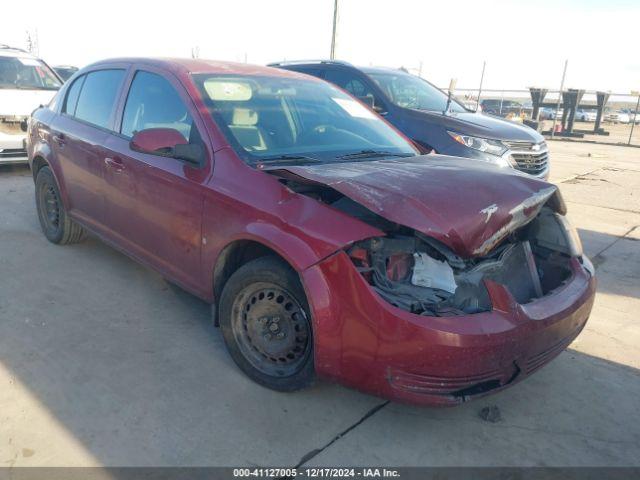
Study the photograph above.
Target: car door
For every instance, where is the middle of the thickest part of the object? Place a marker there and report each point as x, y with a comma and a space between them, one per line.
78, 135
153, 203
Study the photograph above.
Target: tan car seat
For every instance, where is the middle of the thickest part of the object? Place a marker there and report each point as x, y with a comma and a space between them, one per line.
244, 127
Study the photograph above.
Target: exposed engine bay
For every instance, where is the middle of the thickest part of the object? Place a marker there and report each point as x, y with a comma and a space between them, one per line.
419, 274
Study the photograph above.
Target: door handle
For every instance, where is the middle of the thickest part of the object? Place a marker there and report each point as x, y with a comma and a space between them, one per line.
115, 163
60, 139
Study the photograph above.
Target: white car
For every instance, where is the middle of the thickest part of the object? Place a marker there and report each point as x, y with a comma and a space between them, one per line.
547, 113
633, 117
25, 83
586, 115
617, 117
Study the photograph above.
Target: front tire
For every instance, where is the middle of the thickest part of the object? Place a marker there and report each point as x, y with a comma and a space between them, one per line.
266, 325
54, 221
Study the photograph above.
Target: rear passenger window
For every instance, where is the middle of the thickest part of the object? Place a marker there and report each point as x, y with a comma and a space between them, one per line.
72, 96
98, 96
154, 103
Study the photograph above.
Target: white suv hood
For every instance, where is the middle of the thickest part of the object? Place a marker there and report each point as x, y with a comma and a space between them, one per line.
15, 102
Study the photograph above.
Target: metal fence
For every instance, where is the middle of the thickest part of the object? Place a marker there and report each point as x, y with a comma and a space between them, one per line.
620, 122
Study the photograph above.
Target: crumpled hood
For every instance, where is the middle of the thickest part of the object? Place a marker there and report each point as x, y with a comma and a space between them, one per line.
20, 103
467, 205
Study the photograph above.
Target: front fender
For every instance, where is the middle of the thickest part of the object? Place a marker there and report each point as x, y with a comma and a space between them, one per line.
243, 203
299, 254
299, 244
293, 249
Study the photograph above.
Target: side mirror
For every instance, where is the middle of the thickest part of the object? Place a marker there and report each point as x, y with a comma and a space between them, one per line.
166, 142
191, 152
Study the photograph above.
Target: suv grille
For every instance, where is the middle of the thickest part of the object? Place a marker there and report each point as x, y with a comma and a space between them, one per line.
531, 158
12, 153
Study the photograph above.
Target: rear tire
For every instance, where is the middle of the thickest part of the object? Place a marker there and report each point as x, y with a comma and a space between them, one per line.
54, 221
266, 325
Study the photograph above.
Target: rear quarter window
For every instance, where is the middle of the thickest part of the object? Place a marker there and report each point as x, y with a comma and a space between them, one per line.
98, 95
71, 101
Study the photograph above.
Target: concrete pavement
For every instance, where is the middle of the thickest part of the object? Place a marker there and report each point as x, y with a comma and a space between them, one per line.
102, 362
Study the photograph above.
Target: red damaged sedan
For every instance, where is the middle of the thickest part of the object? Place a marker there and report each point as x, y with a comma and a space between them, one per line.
327, 244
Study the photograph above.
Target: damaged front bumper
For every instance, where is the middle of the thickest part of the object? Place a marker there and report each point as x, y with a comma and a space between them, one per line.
363, 341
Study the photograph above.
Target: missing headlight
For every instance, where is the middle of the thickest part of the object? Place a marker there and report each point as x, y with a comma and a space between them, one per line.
413, 275
419, 274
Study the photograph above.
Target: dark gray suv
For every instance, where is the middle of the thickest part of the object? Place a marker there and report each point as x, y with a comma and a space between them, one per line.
427, 116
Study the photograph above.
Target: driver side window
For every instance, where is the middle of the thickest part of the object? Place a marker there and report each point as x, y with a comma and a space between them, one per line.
154, 103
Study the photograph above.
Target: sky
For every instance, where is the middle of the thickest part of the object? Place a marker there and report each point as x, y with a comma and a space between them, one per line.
524, 43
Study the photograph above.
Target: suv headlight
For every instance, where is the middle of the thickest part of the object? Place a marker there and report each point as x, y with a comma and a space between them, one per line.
486, 145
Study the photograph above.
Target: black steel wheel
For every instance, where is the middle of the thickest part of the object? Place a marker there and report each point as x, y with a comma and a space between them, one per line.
266, 324
54, 221
51, 203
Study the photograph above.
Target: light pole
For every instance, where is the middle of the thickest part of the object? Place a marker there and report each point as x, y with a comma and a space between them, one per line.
555, 115
484, 64
332, 56
635, 116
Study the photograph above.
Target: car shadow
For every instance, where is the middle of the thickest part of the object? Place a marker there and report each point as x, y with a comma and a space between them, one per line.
579, 410
132, 366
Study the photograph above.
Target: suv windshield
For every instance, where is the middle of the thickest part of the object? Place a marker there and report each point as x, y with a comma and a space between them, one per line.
27, 73
409, 91
295, 120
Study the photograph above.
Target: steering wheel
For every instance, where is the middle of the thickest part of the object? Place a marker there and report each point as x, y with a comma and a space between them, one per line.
323, 129
319, 130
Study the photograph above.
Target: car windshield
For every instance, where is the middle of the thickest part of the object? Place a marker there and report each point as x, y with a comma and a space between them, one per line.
27, 73
279, 119
409, 91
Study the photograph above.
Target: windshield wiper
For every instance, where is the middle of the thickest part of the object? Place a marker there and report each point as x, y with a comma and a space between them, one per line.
372, 154
288, 158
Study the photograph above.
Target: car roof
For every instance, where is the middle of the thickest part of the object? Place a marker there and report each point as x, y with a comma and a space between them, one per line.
397, 71
198, 65
7, 51
338, 63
